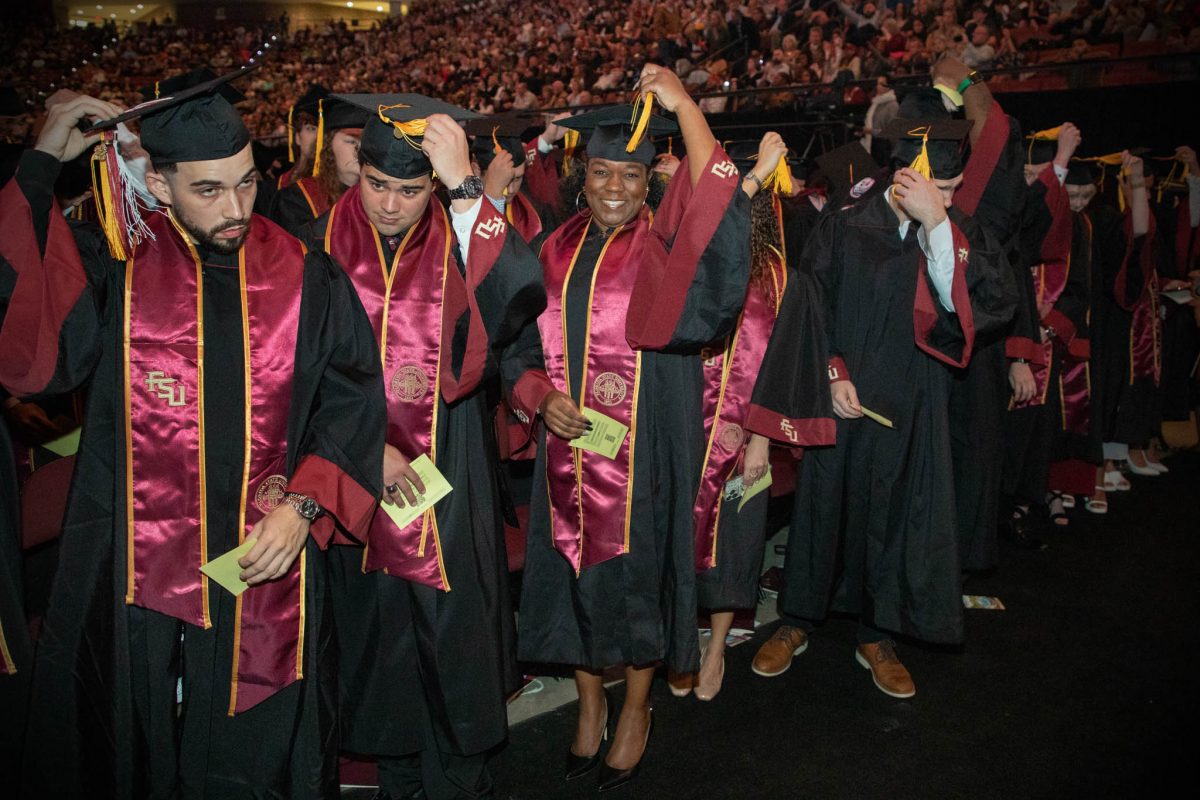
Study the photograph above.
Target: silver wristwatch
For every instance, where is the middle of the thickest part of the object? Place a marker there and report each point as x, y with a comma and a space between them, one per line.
304, 505
469, 189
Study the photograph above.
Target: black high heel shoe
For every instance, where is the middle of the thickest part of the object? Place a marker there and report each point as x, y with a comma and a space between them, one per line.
611, 777
578, 766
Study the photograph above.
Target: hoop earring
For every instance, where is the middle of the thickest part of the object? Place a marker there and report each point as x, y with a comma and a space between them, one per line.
583, 212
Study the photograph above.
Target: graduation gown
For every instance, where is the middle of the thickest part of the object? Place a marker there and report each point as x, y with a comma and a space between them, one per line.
16, 646
787, 402
410, 651
298, 204
993, 193
873, 526
1177, 254
640, 607
103, 718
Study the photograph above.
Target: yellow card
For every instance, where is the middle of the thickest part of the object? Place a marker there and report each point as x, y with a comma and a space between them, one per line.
755, 488
436, 487
882, 420
605, 437
65, 445
225, 569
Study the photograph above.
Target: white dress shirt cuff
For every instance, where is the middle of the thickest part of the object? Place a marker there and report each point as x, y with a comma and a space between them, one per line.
462, 223
1061, 174
938, 246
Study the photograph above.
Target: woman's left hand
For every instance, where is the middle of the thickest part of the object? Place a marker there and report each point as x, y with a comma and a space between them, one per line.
758, 452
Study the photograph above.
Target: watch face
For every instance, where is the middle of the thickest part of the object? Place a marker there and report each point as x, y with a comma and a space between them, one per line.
309, 508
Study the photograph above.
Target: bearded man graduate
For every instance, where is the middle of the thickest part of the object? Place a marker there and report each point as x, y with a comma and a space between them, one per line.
427, 634
908, 284
235, 394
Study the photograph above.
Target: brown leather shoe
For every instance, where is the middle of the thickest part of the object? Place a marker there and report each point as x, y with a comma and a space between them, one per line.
889, 674
775, 656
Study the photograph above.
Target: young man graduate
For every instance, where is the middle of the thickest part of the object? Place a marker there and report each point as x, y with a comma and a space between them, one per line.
908, 285
426, 634
500, 152
235, 395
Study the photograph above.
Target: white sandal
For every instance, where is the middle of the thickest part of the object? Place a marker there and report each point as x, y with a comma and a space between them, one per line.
1114, 481
1096, 506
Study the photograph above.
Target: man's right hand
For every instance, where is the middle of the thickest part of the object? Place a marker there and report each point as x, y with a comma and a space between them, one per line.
1020, 378
845, 400
61, 138
399, 478
553, 132
562, 417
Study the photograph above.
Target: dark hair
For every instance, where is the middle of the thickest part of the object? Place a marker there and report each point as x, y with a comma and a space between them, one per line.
328, 179
166, 167
765, 238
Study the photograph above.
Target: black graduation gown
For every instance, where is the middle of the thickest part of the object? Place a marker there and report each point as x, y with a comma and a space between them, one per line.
979, 394
103, 718
1078, 303
791, 383
1110, 321
14, 687
1175, 253
289, 209
873, 524
1132, 408
410, 652
639, 608
1029, 431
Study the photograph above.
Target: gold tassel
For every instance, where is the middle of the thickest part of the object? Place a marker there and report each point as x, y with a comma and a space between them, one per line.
496, 148
780, 179
156, 90
920, 164
1112, 159
412, 129
1048, 135
670, 145
106, 210
640, 123
570, 143
291, 135
320, 137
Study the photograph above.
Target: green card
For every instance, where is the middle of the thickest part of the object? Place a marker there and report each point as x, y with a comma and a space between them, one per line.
605, 437
225, 569
755, 488
436, 487
65, 445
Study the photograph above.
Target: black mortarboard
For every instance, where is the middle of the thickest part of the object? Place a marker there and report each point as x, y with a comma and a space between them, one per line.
195, 122
394, 147
846, 166
506, 131
174, 85
309, 100
1079, 173
609, 131
924, 131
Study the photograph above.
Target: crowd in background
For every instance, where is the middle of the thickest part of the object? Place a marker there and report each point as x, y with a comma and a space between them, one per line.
575, 53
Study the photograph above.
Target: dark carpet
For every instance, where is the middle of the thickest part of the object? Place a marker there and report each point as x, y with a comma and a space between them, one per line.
1083, 687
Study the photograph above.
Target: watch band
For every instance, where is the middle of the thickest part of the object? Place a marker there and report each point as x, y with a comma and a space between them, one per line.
304, 505
470, 189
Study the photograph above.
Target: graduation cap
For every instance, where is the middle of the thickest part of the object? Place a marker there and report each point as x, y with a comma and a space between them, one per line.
391, 137
169, 87
500, 132
845, 168
1080, 173
620, 133
926, 137
196, 122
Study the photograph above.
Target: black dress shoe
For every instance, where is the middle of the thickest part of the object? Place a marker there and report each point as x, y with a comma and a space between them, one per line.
1019, 531
611, 777
578, 766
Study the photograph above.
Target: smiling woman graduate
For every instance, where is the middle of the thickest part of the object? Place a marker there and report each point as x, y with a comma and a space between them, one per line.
632, 298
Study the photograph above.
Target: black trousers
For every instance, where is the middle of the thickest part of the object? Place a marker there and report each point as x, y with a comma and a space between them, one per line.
436, 770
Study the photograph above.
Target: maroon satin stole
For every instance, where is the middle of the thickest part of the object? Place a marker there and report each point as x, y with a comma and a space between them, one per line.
523, 216
165, 470
1145, 332
1050, 276
318, 200
414, 304
729, 378
590, 494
